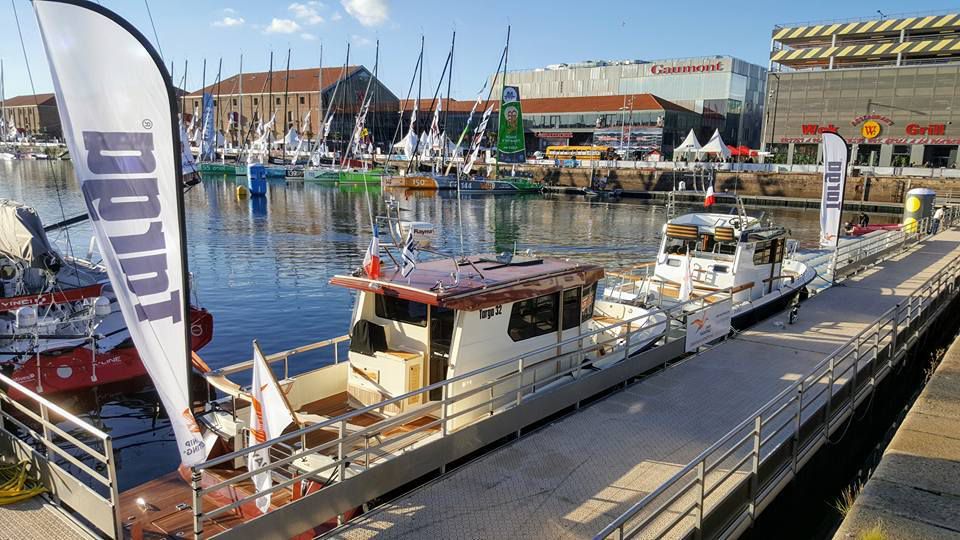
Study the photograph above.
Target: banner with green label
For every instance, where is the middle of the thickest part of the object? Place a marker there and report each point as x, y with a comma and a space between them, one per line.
510, 142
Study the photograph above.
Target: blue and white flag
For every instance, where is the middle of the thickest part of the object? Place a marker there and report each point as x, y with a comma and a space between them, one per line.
408, 257
209, 139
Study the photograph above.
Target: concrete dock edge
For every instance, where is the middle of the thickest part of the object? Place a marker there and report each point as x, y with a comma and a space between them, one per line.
915, 491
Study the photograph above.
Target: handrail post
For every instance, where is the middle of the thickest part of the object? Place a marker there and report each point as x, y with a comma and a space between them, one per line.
755, 468
701, 481
443, 410
853, 378
519, 381
114, 488
829, 405
796, 429
195, 481
342, 466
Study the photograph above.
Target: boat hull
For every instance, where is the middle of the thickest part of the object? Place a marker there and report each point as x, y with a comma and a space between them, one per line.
469, 185
71, 369
372, 176
223, 168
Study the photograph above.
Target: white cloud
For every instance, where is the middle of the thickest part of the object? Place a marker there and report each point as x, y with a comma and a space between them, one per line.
308, 36
336, 16
228, 21
306, 13
368, 12
282, 26
229, 10
361, 40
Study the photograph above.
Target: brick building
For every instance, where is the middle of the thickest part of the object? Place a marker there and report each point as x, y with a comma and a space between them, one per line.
35, 116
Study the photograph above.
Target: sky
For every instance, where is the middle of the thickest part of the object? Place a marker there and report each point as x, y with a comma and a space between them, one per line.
543, 32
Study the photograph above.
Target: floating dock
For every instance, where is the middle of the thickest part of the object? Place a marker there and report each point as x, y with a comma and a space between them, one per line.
574, 477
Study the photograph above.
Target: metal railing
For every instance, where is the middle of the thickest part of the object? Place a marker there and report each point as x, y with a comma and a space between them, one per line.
504, 385
74, 459
746, 468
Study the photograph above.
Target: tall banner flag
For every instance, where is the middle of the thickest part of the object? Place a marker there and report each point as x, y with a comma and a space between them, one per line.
118, 112
270, 414
477, 139
408, 256
510, 143
834, 180
208, 148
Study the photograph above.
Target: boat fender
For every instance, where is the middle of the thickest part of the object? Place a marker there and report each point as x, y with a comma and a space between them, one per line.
101, 306
26, 317
242, 192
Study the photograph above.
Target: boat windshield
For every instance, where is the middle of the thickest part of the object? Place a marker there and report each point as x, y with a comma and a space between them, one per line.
403, 311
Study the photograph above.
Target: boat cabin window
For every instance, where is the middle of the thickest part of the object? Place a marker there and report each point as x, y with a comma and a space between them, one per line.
534, 317
768, 251
404, 311
586, 303
571, 308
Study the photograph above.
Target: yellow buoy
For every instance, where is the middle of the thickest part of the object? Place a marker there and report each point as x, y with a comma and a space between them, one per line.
242, 192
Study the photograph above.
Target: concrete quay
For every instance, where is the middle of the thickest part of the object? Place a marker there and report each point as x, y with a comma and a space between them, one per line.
573, 477
915, 490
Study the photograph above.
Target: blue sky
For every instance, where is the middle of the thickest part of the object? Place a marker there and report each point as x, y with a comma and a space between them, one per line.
544, 32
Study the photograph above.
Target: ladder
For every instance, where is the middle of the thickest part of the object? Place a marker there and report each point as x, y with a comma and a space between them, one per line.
671, 205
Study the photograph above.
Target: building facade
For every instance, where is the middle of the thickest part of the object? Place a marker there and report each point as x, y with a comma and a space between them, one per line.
240, 105
890, 87
725, 91
34, 116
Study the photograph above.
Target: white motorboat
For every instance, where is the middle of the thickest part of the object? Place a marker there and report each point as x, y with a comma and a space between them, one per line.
702, 253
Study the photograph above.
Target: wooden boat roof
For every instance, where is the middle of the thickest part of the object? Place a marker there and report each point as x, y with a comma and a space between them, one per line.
485, 283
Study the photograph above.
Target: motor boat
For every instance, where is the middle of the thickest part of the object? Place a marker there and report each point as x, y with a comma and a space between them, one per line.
61, 329
451, 318
701, 253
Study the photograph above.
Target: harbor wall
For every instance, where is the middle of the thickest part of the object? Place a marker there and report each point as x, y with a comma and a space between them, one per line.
760, 184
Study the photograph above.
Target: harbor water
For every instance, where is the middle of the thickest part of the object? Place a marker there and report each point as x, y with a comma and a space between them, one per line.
261, 266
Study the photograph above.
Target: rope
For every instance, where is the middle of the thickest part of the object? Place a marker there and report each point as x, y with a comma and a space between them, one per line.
156, 37
14, 484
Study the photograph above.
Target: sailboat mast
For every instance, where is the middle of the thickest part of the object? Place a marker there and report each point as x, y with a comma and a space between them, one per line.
219, 106
503, 84
183, 96
413, 79
446, 109
239, 88
3, 106
203, 112
413, 126
286, 106
366, 93
320, 93
270, 99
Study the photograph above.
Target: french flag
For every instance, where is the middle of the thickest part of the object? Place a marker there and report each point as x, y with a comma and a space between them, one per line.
710, 199
371, 261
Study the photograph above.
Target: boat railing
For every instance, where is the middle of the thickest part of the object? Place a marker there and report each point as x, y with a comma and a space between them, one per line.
354, 448
284, 356
852, 256
742, 471
73, 459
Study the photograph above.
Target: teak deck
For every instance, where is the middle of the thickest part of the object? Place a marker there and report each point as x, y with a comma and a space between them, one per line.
168, 509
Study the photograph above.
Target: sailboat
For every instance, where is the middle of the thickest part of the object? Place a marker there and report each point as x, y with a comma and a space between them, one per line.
359, 171
460, 179
317, 169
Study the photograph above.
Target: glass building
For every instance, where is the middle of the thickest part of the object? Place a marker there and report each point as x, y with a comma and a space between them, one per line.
890, 87
726, 92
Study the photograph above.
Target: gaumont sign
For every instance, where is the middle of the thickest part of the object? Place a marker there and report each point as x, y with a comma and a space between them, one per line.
658, 69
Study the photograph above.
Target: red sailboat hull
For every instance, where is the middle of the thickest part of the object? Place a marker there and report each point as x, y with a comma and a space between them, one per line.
72, 369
